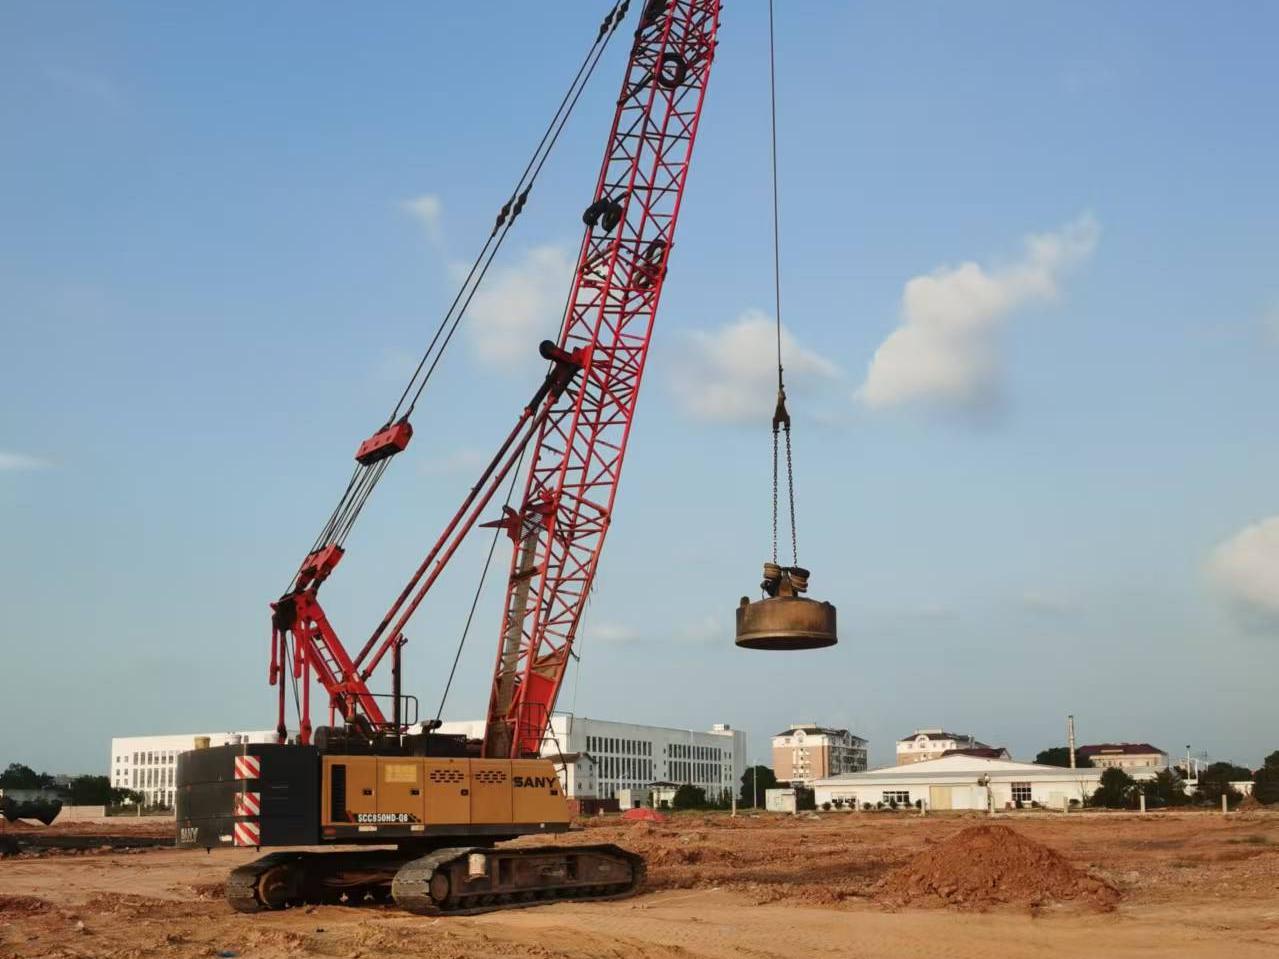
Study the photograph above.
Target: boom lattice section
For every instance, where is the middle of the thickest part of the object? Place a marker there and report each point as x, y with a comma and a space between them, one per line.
560, 526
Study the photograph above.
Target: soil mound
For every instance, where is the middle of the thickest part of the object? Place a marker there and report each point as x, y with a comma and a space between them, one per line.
644, 815
992, 865
23, 906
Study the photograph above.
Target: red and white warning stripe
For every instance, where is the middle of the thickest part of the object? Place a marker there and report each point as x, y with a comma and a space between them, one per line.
247, 834
248, 767
248, 804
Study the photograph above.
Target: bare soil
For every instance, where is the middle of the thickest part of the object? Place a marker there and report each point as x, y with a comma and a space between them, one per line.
843, 884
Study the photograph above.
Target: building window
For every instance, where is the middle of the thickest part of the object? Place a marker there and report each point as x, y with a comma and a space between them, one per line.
899, 796
1021, 792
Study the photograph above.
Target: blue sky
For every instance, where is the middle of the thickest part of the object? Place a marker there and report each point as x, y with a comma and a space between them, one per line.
1030, 291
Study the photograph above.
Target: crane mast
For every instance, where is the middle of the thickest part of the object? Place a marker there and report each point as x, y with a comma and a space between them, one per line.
560, 525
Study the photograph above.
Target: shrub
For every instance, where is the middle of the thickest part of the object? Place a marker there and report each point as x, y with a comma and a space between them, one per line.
826, 806
1116, 791
689, 797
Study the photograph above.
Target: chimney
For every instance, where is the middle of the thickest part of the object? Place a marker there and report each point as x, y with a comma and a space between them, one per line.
1070, 737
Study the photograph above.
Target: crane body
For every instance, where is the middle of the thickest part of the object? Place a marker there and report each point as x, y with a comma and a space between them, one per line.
438, 805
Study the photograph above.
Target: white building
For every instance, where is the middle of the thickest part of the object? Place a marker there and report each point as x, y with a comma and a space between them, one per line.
780, 800
600, 759
925, 744
1125, 756
804, 752
149, 764
960, 782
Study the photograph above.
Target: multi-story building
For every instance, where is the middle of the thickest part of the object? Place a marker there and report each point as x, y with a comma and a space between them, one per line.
148, 764
597, 758
925, 744
805, 751
1126, 756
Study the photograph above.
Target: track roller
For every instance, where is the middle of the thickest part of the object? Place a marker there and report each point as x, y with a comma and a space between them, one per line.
469, 880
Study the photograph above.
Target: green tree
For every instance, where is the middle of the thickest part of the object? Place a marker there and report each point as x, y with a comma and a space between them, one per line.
1166, 789
1265, 783
689, 796
1060, 756
755, 780
1116, 789
91, 791
1215, 780
18, 776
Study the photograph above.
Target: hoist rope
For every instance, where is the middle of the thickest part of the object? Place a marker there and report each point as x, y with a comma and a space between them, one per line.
363, 480
515, 204
475, 600
781, 418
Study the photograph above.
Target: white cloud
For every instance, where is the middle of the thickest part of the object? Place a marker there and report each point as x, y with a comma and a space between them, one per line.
428, 210
1245, 569
707, 631
612, 634
1051, 604
17, 462
945, 350
730, 374
464, 460
1270, 323
519, 306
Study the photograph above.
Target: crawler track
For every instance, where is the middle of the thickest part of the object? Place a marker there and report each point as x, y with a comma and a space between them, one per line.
441, 883
458, 881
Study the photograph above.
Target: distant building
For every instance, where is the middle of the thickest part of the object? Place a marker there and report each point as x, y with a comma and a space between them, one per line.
960, 781
1126, 756
780, 800
805, 751
662, 794
601, 759
148, 764
981, 752
925, 744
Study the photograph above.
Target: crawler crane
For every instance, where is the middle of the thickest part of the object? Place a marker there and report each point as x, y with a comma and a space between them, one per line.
437, 807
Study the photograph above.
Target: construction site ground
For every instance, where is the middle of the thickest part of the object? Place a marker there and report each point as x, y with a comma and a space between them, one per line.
835, 884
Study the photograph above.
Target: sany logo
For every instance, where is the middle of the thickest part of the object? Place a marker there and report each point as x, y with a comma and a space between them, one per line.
188, 834
536, 782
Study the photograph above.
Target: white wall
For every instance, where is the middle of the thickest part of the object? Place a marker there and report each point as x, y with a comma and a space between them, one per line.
606, 750
1048, 793
148, 764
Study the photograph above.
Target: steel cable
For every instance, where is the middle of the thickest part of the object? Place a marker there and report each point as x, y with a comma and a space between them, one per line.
780, 417
365, 478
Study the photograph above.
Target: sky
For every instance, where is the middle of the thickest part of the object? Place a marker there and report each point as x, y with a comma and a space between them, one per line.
1031, 320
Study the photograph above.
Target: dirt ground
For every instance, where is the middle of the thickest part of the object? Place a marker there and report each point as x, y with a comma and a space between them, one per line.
844, 884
